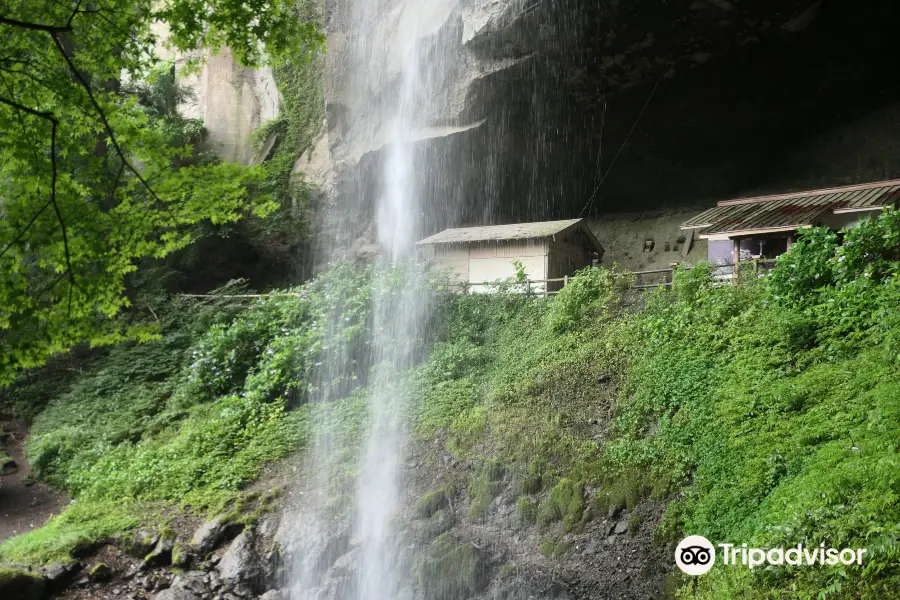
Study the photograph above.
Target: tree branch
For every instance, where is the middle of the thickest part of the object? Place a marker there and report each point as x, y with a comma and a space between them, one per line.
37, 26
103, 119
54, 124
37, 113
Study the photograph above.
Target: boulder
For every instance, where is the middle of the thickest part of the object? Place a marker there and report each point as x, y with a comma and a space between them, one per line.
58, 576
451, 568
141, 543
7, 465
239, 567
176, 593
161, 555
20, 584
195, 581
213, 533
101, 572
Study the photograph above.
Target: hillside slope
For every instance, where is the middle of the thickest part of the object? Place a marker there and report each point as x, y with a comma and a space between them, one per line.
560, 430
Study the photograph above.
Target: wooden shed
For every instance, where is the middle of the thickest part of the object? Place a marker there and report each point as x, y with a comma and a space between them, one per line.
547, 250
763, 227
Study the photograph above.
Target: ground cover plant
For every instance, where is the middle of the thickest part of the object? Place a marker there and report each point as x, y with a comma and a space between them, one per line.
764, 412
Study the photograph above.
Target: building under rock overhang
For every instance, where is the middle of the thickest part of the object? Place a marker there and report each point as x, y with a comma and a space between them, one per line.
764, 227
546, 250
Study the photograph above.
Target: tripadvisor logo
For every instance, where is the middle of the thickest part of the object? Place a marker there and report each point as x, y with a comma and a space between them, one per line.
695, 555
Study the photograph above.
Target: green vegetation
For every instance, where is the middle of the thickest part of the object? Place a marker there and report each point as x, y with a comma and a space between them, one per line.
551, 547
94, 180
486, 484
449, 569
18, 583
764, 413
433, 501
191, 418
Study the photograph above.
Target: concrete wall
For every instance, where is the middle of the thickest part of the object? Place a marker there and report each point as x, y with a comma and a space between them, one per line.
622, 235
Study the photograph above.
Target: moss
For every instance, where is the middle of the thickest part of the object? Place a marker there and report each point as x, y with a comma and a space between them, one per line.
562, 547
180, 555
550, 547
440, 522
486, 484
249, 507
7, 465
100, 572
432, 502
528, 509
531, 482
623, 492
450, 569
635, 520
508, 570
565, 503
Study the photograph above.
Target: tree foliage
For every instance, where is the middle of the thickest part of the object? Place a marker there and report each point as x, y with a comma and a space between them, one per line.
91, 179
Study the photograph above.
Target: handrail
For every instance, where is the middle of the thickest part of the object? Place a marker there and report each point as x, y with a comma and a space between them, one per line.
468, 284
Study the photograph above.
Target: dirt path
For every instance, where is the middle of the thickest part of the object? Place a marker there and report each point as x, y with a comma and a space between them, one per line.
24, 505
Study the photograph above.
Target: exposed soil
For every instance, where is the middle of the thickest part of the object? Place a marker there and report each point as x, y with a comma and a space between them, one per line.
24, 503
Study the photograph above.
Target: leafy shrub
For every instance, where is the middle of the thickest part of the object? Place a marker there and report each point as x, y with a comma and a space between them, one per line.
191, 418
591, 294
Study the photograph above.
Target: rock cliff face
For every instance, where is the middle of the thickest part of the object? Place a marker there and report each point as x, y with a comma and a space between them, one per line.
537, 98
233, 101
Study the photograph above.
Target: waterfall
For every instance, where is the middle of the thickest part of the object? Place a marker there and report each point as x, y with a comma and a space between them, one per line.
399, 305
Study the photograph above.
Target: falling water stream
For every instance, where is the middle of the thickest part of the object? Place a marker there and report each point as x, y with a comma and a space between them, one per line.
399, 308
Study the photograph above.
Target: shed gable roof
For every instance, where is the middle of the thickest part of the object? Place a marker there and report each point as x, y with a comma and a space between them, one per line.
790, 211
514, 231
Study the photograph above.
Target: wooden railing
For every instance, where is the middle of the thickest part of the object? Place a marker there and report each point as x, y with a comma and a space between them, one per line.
756, 267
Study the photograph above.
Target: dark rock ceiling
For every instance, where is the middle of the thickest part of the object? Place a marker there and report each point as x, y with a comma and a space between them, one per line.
737, 85
731, 88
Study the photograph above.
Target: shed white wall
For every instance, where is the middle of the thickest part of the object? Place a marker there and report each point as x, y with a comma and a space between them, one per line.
455, 258
490, 261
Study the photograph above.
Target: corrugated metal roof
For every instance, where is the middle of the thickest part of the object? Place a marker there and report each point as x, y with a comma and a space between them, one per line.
789, 211
515, 231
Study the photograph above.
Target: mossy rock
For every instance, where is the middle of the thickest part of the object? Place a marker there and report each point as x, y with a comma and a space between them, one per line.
432, 502
450, 569
550, 547
100, 572
140, 543
440, 522
487, 482
565, 503
181, 555
532, 481
19, 584
7, 465
528, 510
